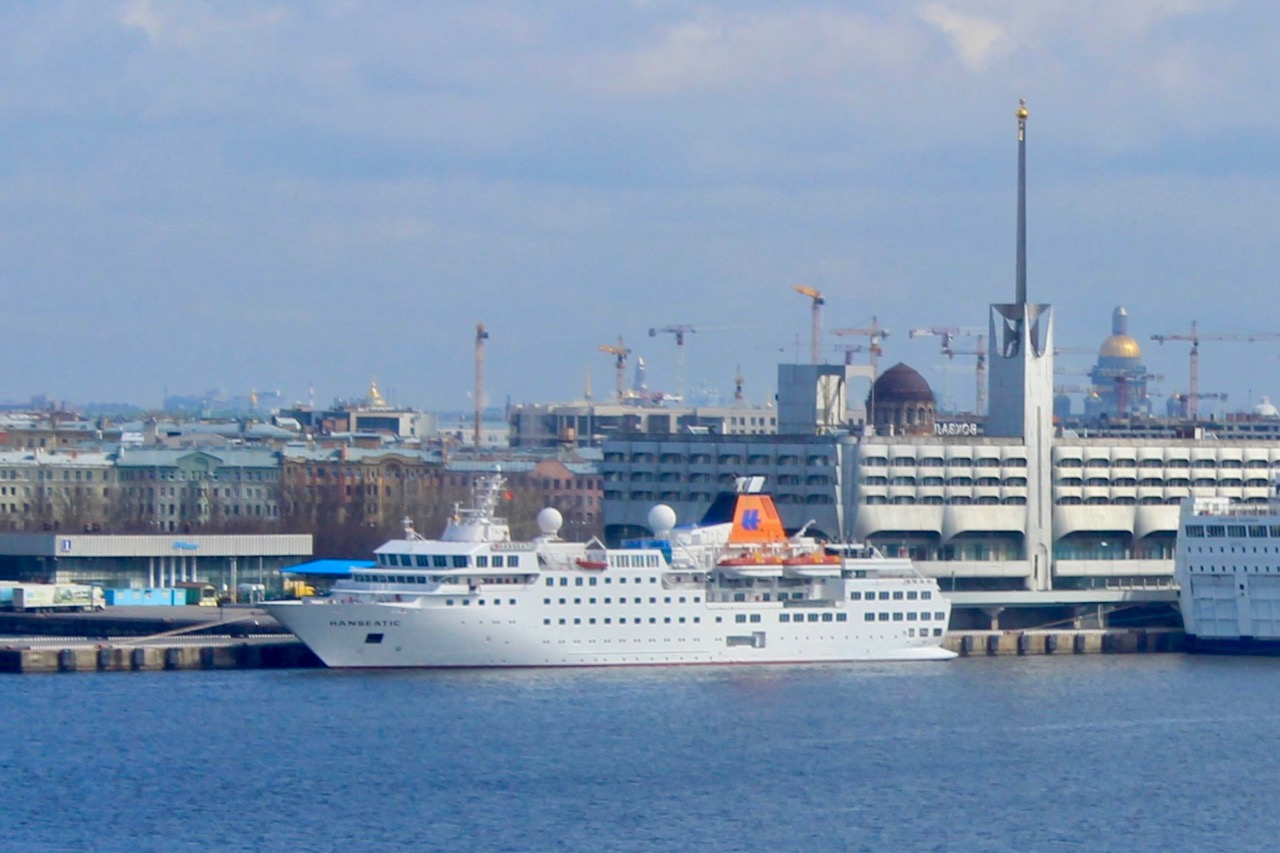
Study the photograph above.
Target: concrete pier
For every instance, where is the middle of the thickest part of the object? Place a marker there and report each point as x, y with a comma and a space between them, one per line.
274, 653
1065, 641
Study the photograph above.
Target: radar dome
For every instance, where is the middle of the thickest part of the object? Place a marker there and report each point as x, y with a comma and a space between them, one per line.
661, 519
549, 521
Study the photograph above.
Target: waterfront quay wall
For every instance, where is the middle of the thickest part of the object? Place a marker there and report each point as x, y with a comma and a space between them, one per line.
273, 654
1065, 642
141, 622
279, 653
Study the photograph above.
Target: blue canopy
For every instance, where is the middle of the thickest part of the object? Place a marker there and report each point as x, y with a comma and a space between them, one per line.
328, 567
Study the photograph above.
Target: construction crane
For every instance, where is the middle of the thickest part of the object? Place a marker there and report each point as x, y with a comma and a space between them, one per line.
1183, 400
948, 334
1119, 376
482, 335
815, 346
875, 335
1195, 338
679, 331
1122, 378
849, 350
620, 353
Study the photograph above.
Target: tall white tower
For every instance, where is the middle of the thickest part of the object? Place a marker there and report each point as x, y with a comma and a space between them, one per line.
1021, 385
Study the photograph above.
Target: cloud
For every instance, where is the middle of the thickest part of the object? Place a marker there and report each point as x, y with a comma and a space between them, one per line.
717, 52
186, 23
975, 40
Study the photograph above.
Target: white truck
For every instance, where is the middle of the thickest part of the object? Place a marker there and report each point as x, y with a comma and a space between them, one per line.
35, 597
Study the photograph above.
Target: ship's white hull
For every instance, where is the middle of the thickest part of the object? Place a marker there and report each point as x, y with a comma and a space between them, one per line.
1227, 568
393, 635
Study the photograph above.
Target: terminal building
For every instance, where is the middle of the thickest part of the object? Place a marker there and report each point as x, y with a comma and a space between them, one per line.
1021, 521
229, 562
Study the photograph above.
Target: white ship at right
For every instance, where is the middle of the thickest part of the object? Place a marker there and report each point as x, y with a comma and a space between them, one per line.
1227, 567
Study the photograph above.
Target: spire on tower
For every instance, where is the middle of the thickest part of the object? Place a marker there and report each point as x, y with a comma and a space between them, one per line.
1021, 272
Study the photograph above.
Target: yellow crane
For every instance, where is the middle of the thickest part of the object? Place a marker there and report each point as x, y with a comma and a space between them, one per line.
620, 353
815, 345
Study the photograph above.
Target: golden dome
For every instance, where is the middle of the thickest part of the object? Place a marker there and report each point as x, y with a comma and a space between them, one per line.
1119, 346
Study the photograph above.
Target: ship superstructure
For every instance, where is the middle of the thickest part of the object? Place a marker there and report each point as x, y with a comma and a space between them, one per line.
732, 589
1228, 572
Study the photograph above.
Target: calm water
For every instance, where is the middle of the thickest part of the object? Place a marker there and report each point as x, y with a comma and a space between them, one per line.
1135, 752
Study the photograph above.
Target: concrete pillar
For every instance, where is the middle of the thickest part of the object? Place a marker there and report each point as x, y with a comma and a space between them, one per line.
234, 584
994, 614
151, 572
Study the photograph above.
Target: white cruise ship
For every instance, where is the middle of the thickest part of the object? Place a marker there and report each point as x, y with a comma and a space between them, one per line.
1227, 567
734, 589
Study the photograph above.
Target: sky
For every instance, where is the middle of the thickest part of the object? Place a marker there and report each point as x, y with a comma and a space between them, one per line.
305, 196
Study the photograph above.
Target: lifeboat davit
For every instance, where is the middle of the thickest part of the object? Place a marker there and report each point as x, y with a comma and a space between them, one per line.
752, 565
816, 564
